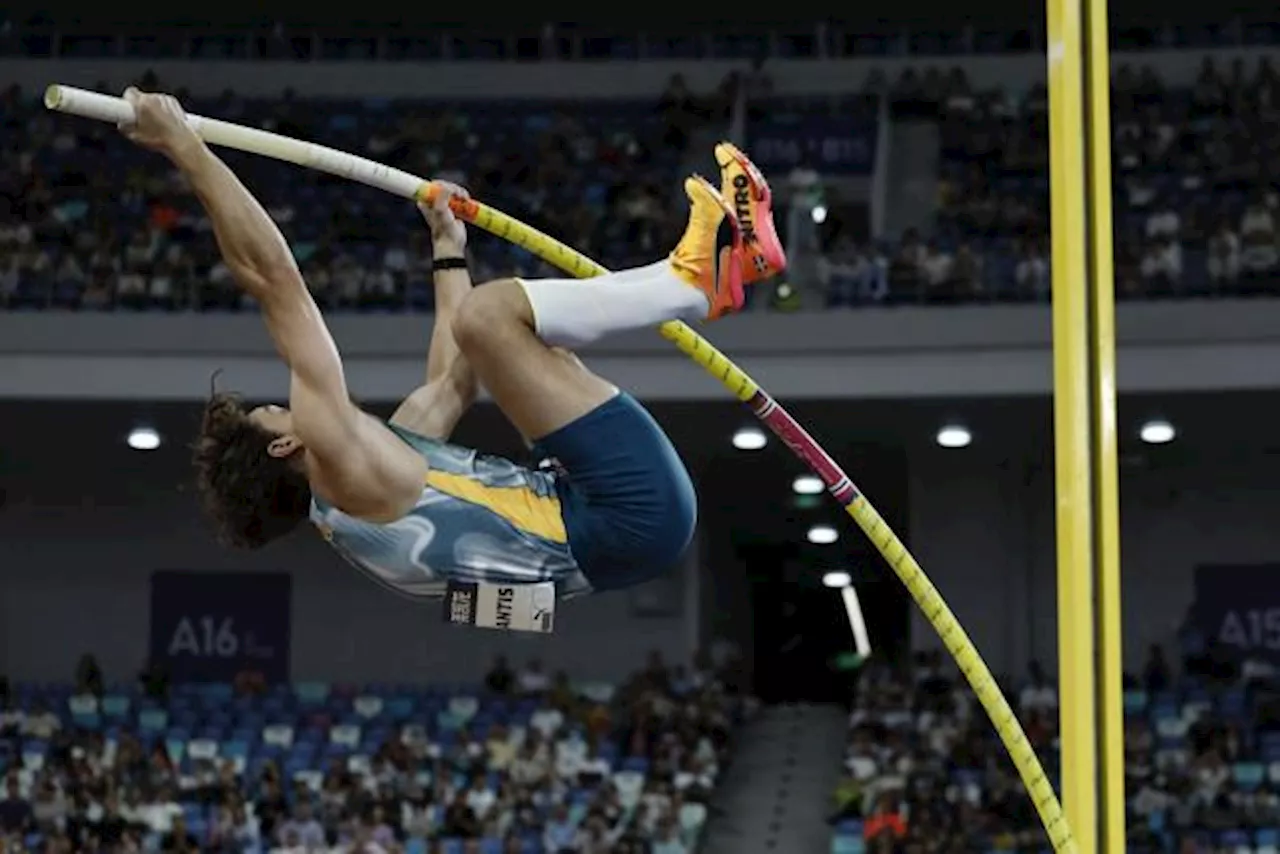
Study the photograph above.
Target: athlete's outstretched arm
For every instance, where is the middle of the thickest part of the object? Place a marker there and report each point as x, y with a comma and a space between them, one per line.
256, 253
433, 409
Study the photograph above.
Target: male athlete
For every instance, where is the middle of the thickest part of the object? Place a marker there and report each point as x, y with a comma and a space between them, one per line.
498, 541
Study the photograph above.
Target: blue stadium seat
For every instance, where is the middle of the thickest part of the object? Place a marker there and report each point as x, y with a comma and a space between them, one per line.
844, 844
234, 750
214, 693
311, 693
400, 708
1248, 776
115, 706
1234, 839
1135, 702
638, 764
89, 721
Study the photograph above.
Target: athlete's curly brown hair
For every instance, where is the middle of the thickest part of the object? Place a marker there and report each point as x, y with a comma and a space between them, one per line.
251, 496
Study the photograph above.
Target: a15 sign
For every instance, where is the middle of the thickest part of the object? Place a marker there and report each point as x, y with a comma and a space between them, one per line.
1237, 609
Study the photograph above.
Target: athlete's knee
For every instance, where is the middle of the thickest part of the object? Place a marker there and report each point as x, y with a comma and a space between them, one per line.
487, 310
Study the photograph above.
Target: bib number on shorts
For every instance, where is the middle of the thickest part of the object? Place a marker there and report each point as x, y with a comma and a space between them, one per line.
512, 607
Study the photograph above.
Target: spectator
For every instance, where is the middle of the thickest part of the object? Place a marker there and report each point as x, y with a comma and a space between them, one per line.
594, 836
936, 267
561, 833
271, 807
40, 723
480, 798
853, 275
417, 816
561, 696
1162, 265
70, 274
15, 812
1155, 673
249, 683
532, 679
219, 288
1039, 693
1163, 221
1208, 91
679, 110
500, 678
1258, 237
885, 820
11, 273
163, 287
89, 676
500, 748
291, 843
302, 827
1224, 256
460, 819
1032, 271
905, 271
532, 765
161, 813
49, 806
966, 272
111, 827
11, 720
848, 799
668, 839
380, 832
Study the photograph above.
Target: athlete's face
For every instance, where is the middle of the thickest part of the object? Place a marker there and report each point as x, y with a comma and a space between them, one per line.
277, 421
272, 418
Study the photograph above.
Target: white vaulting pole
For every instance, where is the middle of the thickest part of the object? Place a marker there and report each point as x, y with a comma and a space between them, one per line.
108, 108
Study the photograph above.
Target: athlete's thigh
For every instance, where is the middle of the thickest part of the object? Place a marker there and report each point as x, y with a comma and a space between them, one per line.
538, 387
630, 509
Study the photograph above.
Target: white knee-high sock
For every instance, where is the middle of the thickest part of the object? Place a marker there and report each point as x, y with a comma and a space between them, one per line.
573, 312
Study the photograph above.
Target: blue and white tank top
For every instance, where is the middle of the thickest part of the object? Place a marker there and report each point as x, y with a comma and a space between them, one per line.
479, 519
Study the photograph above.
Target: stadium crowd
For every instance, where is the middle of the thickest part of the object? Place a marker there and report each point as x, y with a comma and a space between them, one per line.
924, 771
1195, 203
526, 763
88, 221
1194, 194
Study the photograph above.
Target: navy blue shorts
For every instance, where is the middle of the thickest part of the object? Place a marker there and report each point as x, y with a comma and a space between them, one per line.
628, 504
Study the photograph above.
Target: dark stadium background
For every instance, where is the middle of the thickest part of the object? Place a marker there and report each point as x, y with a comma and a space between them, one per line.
71, 458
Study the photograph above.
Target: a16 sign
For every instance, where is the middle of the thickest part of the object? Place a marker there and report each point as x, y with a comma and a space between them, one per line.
210, 626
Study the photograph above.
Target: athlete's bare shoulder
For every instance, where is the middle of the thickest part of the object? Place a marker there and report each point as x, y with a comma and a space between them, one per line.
378, 478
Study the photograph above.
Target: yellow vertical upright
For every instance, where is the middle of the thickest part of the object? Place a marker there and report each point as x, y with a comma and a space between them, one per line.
1084, 371
1109, 685
1073, 406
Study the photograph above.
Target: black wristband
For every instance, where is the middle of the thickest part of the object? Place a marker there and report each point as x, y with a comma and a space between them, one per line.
438, 264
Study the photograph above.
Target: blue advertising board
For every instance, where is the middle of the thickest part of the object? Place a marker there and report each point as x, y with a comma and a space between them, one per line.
211, 626
1237, 609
